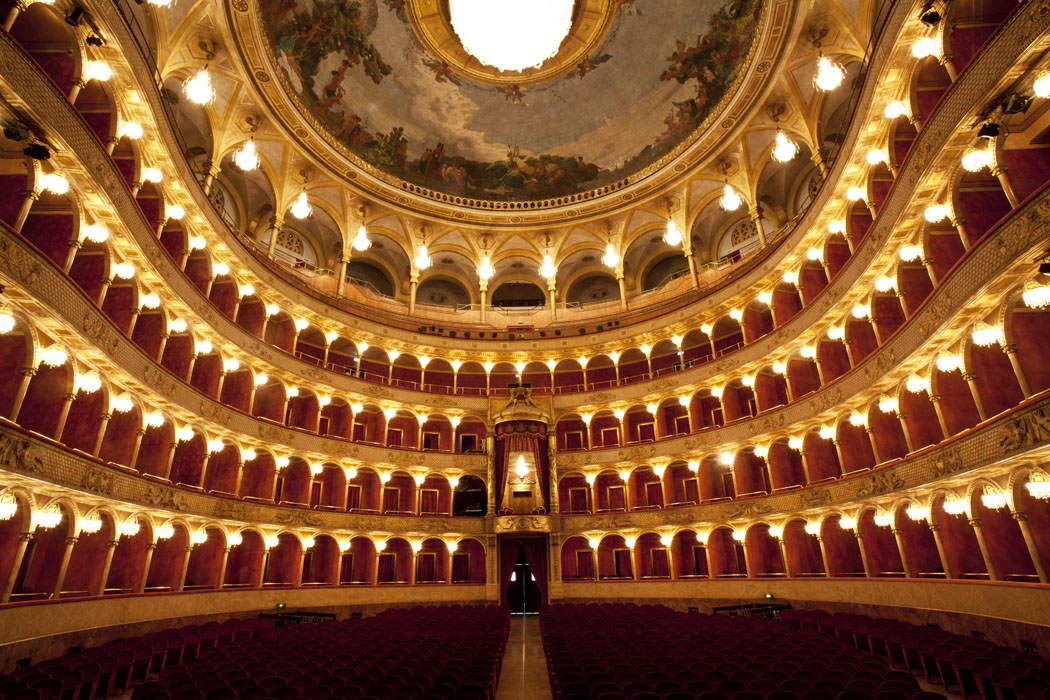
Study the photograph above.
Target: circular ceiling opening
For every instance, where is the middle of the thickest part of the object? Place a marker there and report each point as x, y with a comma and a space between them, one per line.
511, 35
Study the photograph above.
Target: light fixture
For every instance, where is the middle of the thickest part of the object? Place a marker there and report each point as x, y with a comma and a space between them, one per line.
90, 524
916, 512
848, 523
48, 518
248, 454
548, 270
300, 324
976, 159
485, 269
511, 35
199, 537
132, 130
784, 149
301, 206
271, 541
780, 368
888, 404
1036, 295
861, 311
235, 540
199, 88
985, 335
128, 528
153, 419
916, 384
489, 364
652, 408
1041, 86
666, 540
790, 278
761, 451
876, 156
54, 183
619, 413
247, 158
88, 383
693, 465
924, 47
122, 403
829, 74
748, 380
175, 212
953, 505
739, 536
152, 175
95, 233
593, 542
795, 443
1038, 486
672, 236
837, 226
735, 314
197, 243
521, 469
590, 478
993, 499
220, 269
231, 364
586, 417
361, 242
716, 391
858, 420
895, 109
949, 363
765, 298
281, 462
202, 347
886, 284
165, 532
520, 366
215, 445
683, 400
883, 519
826, 432
123, 271
910, 253
53, 356
811, 528
98, 70
726, 458
184, 434
316, 469
836, 333
245, 290
457, 363
422, 257
855, 194
808, 351
611, 257
9, 506
935, 213
260, 379
730, 200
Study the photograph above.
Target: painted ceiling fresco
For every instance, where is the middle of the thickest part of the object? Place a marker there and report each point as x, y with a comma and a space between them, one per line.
663, 67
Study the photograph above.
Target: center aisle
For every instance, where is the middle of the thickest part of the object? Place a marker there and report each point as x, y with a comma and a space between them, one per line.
524, 672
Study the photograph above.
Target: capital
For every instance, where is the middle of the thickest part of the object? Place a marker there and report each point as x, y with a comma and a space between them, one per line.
29, 371
71, 540
1019, 516
975, 522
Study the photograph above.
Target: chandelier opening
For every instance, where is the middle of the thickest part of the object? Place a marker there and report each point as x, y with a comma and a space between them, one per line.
511, 35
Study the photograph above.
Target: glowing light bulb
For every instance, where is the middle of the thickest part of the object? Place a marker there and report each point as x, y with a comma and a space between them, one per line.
485, 269
672, 236
935, 213
784, 149
53, 356
247, 158
152, 175
611, 257
924, 47
886, 284
521, 469
361, 241
1041, 86
855, 194
985, 335
88, 383
99, 70
730, 200
888, 405
976, 159
197, 243
95, 233
199, 88
895, 109
1036, 295
829, 74
131, 130
876, 156
301, 207
422, 258
548, 270
54, 183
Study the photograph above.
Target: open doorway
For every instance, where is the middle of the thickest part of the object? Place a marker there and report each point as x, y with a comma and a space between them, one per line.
523, 595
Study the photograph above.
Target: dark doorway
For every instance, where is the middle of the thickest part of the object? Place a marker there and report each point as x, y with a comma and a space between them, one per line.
523, 595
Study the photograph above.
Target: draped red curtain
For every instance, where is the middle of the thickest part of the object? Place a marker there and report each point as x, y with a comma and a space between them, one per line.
536, 554
508, 557
522, 436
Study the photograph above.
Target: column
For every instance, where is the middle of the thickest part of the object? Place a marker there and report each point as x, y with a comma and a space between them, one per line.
213, 172
904, 428
171, 459
756, 217
623, 289
222, 567
78, 85
971, 381
262, 569
341, 280
483, 290
784, 555
16, 565
273, 239
936, 530
874, 444
960, 228
747, 564
634, 561
111, 547
805, 467
1015, 362
27, 374
101, 433
905, 564
490, 450
1008, 188
935, 399
977, 530
863, 554
28, 197
824, 556
185, 567
1033, 552
135, 450
691, 259
302, 564
552, 299
63, 415
63, 567
413, 286
150, 548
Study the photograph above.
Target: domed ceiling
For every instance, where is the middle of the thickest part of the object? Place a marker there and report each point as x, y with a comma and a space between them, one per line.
389, 84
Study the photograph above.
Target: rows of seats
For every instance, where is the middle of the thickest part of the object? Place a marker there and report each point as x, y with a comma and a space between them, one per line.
630, 652
967, 665
431, 653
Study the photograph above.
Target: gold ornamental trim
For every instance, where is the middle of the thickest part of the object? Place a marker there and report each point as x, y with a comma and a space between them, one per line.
432, 26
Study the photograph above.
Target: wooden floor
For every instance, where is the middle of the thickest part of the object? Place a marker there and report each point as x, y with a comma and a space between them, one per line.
524, 672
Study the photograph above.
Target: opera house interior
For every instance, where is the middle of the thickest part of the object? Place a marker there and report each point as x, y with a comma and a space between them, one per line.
709, 359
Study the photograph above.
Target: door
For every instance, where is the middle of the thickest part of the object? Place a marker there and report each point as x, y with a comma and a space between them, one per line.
622, 563
660, 562
391, 499
360, 432
692, 490
610, 437
387, 567
578, 499
315, 493
468, 442
431, 441
654, 494
646, 432
353, 496
346, 568
574, 440
460, 567
428, 501
523, 595
617, 498
393, 437
584, 564
426, 567
681, 425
